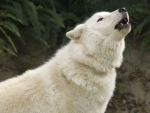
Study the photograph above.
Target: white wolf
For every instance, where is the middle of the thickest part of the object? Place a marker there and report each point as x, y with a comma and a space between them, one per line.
80, 78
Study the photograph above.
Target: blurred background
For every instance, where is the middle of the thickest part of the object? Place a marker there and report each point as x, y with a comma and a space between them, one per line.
32, 30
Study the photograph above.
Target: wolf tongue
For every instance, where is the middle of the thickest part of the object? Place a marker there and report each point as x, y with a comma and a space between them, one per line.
120, 25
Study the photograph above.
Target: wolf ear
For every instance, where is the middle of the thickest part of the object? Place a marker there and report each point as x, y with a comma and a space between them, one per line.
76, 32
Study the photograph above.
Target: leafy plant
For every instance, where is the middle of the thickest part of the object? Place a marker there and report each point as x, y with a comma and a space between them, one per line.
141, 30
120, 88
6, 25
17, 14
47, 21
74, 12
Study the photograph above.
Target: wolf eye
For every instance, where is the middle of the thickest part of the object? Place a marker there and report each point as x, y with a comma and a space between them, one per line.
100, 19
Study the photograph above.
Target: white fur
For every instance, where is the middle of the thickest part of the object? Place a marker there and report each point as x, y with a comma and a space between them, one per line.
80, 78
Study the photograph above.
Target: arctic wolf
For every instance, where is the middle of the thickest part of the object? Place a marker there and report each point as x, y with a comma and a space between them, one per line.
80, 78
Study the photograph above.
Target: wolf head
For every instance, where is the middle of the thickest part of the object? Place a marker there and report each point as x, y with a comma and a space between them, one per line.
104, 24
102, 36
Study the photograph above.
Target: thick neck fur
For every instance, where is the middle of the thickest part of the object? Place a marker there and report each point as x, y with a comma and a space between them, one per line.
88, 69
108, 57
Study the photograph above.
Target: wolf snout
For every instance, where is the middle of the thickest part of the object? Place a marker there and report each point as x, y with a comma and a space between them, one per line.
124, 20
122, 10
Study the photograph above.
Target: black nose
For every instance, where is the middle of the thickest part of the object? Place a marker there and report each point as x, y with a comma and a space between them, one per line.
122, 10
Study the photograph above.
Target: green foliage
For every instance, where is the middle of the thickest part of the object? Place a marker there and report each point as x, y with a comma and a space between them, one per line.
74, 12
47, 21
120, 88
2, 47
18, 14
141, 14
5, 25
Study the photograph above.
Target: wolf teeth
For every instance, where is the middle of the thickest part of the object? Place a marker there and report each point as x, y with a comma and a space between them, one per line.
121, 24
123, 21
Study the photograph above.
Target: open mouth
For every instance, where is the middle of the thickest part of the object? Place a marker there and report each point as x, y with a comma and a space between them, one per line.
122, 23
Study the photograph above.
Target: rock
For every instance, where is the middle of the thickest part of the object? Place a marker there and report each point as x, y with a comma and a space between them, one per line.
123, 108
148, 107
124, 101
139, 101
